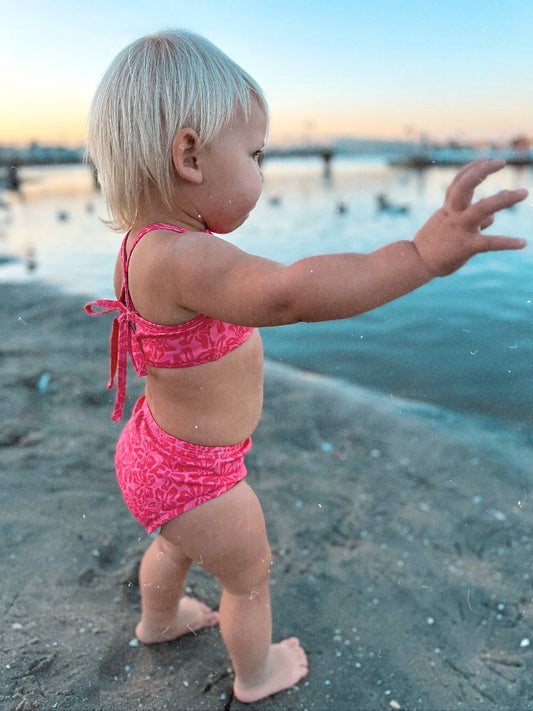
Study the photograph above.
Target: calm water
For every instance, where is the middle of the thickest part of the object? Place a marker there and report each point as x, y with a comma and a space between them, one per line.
464, 342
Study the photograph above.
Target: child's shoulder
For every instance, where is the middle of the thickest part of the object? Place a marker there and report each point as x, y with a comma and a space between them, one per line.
164, 240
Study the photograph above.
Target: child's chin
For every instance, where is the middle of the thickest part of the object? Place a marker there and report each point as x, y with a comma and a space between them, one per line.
227, 227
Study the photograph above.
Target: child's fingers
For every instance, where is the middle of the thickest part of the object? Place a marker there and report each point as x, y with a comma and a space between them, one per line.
469, 167
461, 190
497, 243
479, 212
487, 223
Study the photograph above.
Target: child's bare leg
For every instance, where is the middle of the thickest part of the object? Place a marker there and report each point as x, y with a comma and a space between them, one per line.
165, 614
261, 668
228, 535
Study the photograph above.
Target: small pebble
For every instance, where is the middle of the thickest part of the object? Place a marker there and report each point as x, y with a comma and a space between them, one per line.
498, 515
524, 643
43, 382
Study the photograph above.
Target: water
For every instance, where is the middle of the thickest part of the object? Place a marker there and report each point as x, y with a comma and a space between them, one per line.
463, 343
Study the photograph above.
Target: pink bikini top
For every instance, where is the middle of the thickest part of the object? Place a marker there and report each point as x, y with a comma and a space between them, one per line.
200, 340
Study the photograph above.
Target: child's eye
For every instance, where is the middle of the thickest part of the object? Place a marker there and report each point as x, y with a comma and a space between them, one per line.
258, 155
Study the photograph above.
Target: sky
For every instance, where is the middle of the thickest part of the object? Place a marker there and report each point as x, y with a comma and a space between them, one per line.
457, 69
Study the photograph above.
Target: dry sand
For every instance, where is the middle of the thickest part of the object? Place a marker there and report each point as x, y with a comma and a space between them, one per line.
402, 555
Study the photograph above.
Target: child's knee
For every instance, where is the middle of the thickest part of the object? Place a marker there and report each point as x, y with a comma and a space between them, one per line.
252, 574
168, 551
264, 566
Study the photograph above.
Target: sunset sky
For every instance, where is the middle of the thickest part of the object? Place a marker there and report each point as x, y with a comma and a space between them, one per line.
378, 68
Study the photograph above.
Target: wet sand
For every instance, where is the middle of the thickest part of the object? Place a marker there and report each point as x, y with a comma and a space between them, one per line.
402, 553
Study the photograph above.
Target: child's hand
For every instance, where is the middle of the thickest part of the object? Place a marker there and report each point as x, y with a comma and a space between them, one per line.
453, 234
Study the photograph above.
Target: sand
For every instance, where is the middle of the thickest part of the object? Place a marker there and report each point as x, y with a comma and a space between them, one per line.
402, 553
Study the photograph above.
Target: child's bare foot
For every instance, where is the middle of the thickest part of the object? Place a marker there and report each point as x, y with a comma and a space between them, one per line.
287, 664
192, 615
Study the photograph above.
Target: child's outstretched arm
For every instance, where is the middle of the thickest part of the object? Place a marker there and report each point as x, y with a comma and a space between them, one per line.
222, 281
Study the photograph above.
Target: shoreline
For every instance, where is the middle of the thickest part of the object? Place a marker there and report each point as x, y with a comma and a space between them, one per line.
401, 551
498, 438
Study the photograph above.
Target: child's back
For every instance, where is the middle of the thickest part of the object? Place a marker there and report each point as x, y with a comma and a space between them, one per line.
219, 400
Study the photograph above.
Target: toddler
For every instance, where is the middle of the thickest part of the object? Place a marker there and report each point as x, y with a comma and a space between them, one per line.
176, 132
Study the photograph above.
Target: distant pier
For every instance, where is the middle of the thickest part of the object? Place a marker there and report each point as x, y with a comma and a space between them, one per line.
326, 153
403, 154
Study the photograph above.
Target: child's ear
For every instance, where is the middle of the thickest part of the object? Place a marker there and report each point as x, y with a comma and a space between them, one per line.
184, 155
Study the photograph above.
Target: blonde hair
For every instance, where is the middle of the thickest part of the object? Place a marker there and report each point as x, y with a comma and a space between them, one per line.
156, 86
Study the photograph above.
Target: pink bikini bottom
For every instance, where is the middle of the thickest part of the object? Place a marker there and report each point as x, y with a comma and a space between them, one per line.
161, 476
